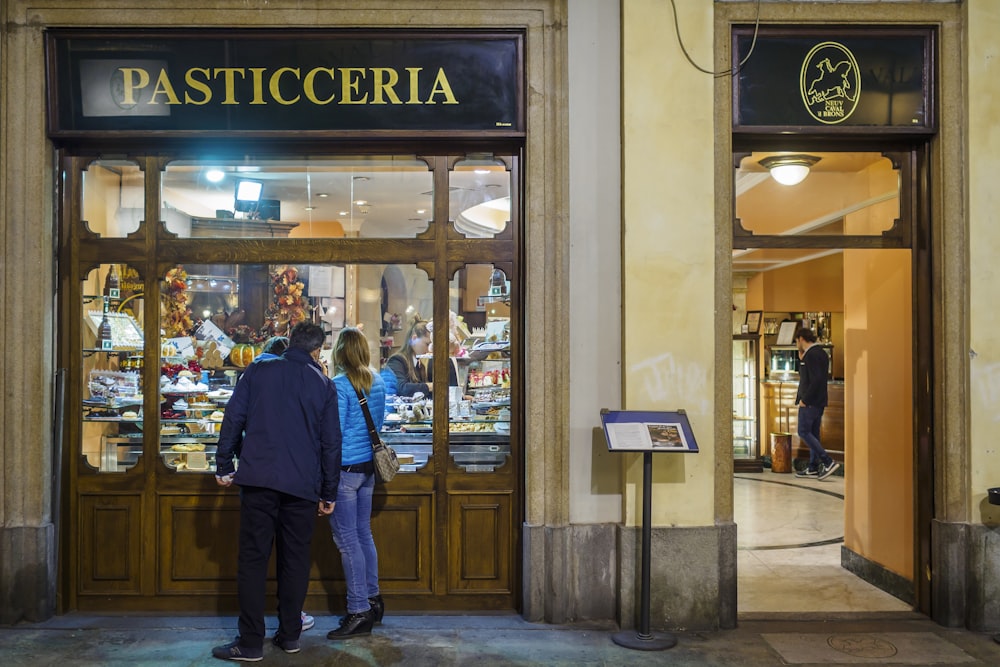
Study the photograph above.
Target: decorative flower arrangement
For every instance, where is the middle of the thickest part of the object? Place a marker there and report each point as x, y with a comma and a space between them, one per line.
246, 334
175, 315
288, 305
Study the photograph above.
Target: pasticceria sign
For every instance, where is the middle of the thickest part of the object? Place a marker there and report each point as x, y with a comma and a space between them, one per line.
324, 81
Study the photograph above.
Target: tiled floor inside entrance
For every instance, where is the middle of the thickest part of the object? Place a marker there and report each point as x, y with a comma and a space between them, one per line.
790, 532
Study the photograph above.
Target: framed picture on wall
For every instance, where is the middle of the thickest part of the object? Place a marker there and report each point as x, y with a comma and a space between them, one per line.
786, 332
753, 321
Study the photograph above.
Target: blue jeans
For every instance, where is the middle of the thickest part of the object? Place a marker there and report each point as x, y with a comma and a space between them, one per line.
809, 421
351, 522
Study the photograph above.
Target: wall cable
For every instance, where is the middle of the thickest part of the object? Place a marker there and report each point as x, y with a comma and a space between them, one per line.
727, 72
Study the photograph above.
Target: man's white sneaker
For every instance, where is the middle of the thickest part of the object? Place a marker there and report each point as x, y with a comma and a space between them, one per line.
829, 470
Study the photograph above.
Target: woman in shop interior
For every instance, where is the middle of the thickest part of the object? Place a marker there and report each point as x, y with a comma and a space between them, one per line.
404, 372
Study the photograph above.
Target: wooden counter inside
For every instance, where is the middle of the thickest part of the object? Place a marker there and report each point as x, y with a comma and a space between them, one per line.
779, 415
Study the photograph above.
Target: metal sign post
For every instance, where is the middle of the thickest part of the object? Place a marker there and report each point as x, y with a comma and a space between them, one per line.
647, 432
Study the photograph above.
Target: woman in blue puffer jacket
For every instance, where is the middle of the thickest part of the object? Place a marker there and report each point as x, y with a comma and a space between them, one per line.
352, 513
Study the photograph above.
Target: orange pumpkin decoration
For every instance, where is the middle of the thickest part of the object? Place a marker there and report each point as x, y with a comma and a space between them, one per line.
243, 354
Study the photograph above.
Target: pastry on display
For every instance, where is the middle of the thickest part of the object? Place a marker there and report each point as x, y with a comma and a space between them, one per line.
185, 383
187, 447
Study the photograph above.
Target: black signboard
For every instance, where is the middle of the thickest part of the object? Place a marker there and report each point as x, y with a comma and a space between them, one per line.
834, 80
255, 81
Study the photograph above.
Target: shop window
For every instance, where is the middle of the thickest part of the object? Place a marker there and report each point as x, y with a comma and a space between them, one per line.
113, 198
839, 194
479, 202
112, 341
366, 197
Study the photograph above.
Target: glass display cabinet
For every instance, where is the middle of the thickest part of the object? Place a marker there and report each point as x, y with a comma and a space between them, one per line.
746, 403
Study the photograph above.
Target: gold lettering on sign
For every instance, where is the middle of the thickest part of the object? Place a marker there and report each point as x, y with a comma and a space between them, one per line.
385, 80
276, 89
197, 85
414, 80
133, 84
350, 80
442, 87
257, 81
358, 85
163, 87
309, 87
229, 80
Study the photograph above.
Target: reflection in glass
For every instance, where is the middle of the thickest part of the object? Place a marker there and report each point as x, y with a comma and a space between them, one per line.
113, 196
480, 196
367, 197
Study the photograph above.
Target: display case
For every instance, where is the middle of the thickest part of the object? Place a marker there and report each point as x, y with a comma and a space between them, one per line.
479, 414
189, 420
783, 361
746, 402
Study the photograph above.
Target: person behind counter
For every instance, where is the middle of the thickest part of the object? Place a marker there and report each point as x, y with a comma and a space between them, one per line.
351, 521
811, 398
411, 375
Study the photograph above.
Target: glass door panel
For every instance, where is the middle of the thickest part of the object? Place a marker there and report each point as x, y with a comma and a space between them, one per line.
112, 368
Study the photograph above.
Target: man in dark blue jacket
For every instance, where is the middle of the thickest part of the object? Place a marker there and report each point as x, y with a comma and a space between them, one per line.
283, 423
811, 398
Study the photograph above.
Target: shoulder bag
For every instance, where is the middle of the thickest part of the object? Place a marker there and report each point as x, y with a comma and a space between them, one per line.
383, 456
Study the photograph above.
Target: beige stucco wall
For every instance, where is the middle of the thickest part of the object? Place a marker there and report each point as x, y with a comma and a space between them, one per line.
668, 258
984, 248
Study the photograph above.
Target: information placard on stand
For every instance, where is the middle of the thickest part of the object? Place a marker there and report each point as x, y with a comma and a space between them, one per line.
648, 433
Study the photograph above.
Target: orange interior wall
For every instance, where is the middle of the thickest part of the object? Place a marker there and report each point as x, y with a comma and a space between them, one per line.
879, 396
816, 286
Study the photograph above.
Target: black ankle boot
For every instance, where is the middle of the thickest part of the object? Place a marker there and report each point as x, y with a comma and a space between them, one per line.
378, 608
354, 625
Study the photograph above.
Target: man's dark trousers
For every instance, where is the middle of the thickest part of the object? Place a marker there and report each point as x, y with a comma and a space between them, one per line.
266, 517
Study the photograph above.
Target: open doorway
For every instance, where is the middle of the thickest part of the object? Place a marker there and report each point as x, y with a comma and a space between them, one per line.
833, 253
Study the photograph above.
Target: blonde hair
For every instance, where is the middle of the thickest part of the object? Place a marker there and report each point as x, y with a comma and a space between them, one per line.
352, 357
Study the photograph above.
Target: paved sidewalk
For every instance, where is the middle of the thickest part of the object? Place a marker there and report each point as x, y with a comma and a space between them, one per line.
502, 640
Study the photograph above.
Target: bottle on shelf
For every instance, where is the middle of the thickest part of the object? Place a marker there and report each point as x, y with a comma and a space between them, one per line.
112, 286
104, 339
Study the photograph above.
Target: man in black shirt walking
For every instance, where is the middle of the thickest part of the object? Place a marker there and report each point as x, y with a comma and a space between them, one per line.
811, 399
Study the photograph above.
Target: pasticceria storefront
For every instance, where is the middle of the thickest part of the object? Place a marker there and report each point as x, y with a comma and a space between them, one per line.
218, 187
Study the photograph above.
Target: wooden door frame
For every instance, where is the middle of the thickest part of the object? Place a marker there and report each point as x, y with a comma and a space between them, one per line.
912, 231
440, 250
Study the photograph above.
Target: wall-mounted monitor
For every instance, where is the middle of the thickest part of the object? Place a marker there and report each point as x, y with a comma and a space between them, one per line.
269, 209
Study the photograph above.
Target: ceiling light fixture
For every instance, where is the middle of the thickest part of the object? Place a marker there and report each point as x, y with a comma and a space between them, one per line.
215, 175
789, 169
